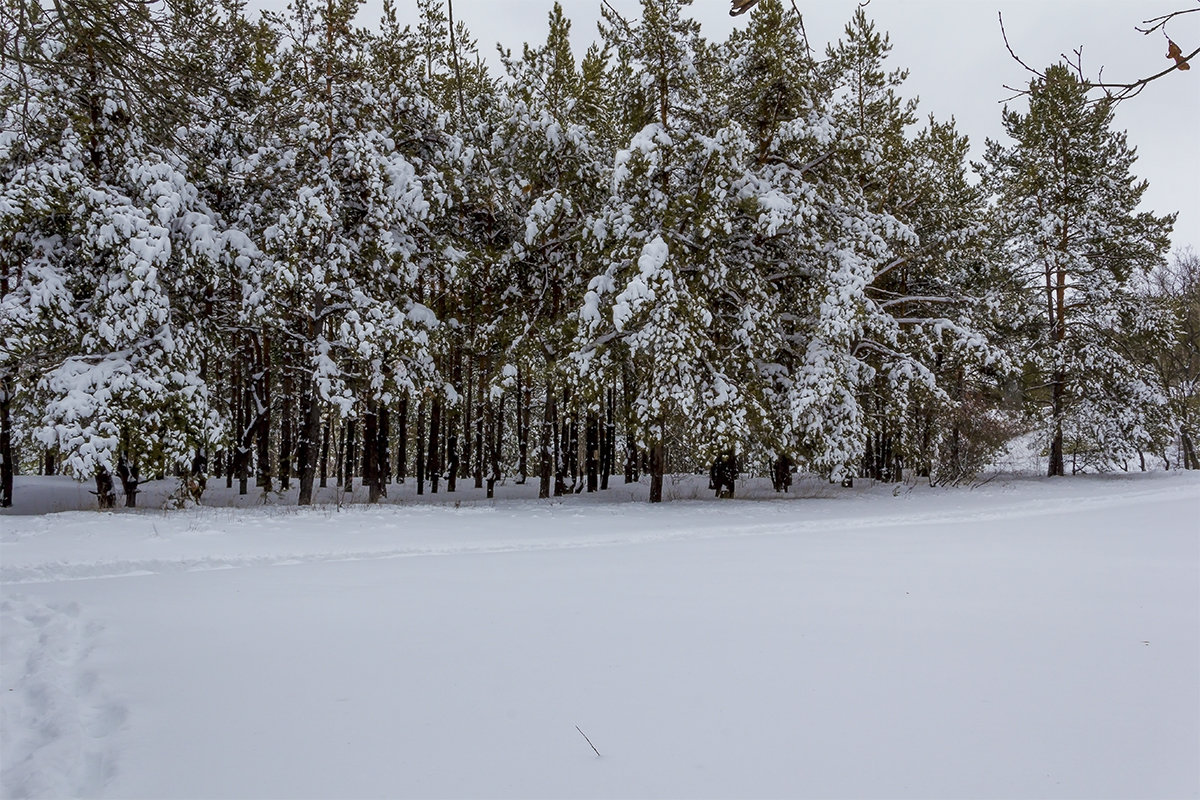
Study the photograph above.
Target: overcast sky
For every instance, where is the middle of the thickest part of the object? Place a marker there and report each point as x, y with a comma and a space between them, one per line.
958, 64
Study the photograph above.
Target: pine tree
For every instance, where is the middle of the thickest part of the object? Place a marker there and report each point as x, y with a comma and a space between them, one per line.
342, 246
121, 234
549, 139
677, 314
1066, 207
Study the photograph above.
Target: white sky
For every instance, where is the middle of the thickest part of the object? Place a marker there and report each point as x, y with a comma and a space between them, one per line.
958, 64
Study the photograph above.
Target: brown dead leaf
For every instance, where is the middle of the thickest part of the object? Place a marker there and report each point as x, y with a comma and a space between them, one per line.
1174, 52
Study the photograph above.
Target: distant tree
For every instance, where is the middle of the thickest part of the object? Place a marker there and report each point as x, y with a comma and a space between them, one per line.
1173, 290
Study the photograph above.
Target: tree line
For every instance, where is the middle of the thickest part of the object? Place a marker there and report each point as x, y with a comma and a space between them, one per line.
287, 249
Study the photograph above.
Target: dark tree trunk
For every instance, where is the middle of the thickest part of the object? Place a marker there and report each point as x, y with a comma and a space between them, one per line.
571, 443
478, 423
592, 459
525, 399
262, 409
490, 438
479, 454
375, 452
871, 454
1056, 466
325, 453
1189, 451
382, 457
286, 433
560, 486
631, 450
351, 451
546, 456
310, 430
453, 415
106, 495
465, 420
657, 457
339, 457
402, 443
6, 451
435, 427
244, 426
370, 432
420, 460
50, 465
452, 463
609, 460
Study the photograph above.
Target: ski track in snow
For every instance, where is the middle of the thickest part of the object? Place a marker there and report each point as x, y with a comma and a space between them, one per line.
397, 518
56, 722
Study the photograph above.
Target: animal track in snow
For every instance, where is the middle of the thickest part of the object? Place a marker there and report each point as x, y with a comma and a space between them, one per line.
56, 720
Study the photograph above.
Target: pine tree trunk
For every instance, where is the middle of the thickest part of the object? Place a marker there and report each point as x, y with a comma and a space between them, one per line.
50, 465
375, 451
545, 465
402, 443
383, 461
286, 433
478, 423
657, 457
631, 451
310, 430
571, 440
435, 426
1057, 467
453, 416
6, 451
465, 420
868, 459
262, 408
325, 453
608, 459
370, 432
1189, 451
243, 426
339, 457
491, 437
452, 455
479, 449
560, 486
420, 455
592, 459
351, 453
525, 399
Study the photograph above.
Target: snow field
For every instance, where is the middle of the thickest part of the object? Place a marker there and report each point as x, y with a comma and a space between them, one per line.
1029, 638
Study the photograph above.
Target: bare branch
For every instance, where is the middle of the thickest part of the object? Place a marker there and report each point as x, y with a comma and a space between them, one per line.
1114, 91
1160, 22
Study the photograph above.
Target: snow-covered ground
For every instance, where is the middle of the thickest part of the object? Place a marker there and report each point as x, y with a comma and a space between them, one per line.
1027, 638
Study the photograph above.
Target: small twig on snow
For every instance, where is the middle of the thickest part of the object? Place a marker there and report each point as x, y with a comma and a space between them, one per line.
589, 741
